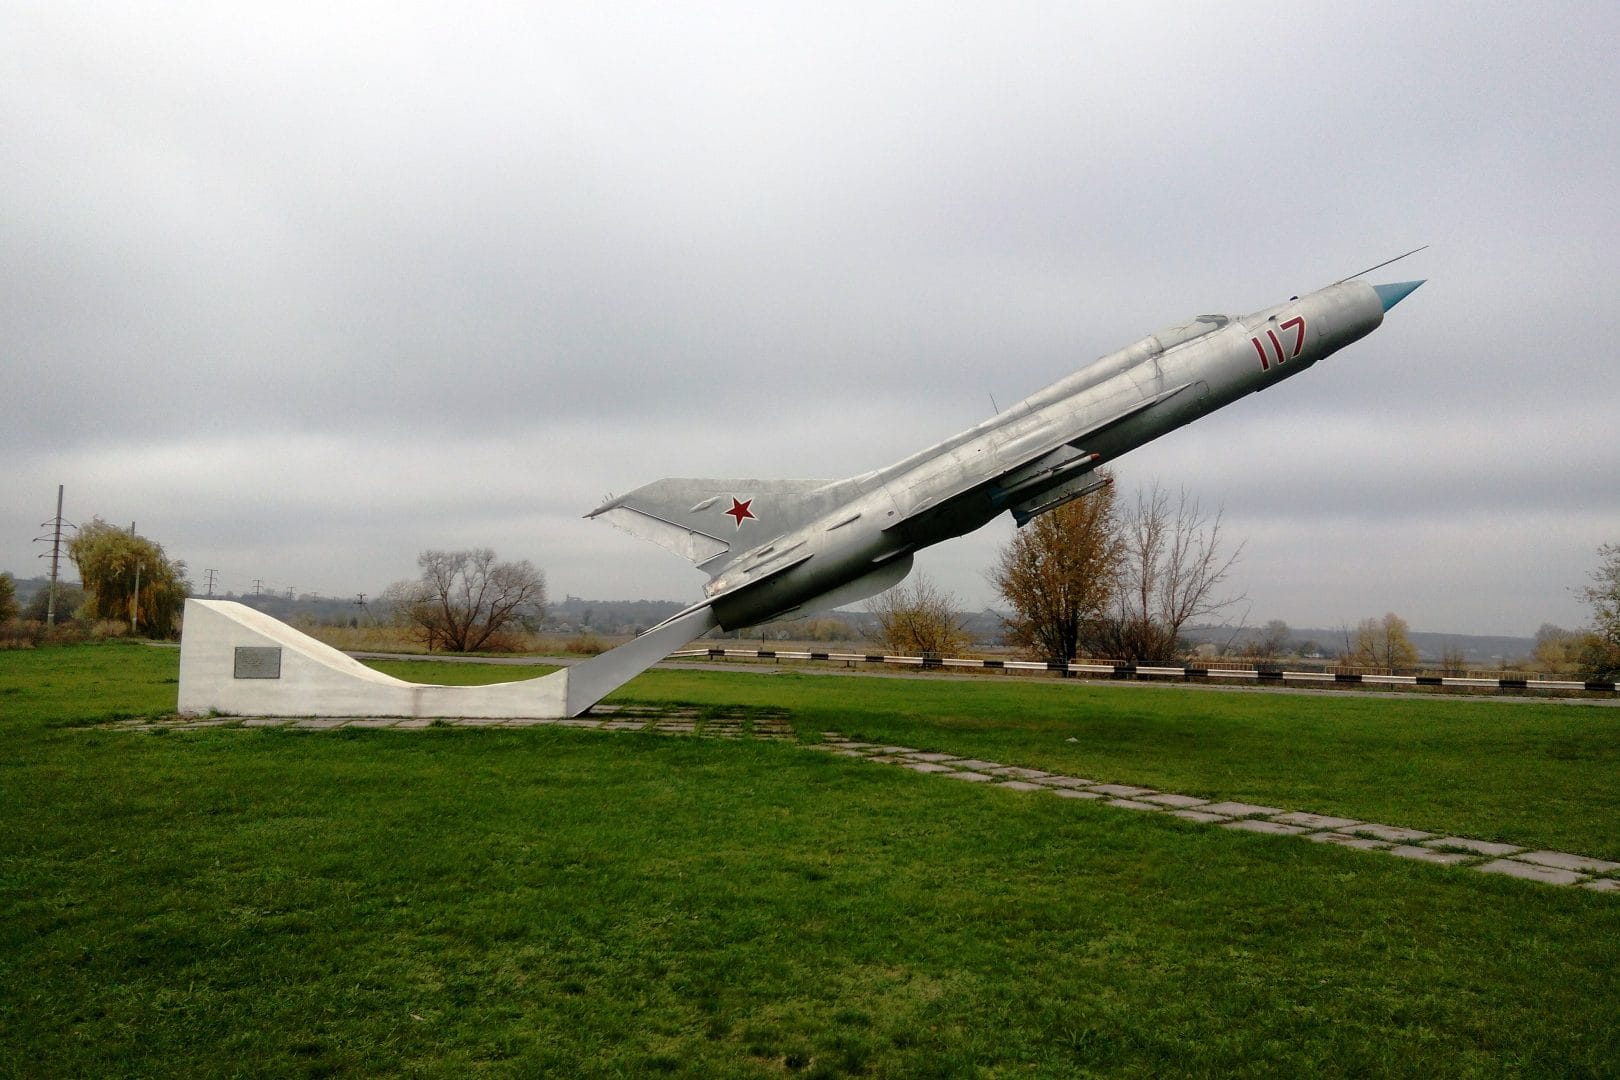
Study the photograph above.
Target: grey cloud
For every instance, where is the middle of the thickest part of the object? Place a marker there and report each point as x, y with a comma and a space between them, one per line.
308, 290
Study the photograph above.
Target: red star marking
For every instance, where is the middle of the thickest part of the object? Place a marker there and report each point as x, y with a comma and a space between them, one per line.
740, 511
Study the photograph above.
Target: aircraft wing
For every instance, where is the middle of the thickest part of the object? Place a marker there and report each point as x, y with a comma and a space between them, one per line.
1039, 466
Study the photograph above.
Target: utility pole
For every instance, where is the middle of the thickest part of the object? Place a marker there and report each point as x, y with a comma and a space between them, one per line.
135, 597
210, 574
56, 525
257, 585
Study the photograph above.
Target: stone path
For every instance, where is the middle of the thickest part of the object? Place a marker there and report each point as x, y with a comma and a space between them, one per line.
1485, 856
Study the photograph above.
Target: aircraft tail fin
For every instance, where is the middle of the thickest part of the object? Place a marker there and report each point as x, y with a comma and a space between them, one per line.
710, 522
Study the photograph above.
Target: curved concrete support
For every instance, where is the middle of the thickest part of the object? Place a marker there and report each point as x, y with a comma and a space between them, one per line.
242, 662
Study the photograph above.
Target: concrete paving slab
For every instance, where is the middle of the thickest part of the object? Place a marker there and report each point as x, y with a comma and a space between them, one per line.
1199, 816
1178, 802
1423, 854
1241, 809
979, 766
481, 721
529, 721
1547, 875
624, 725
1275, 828
1392, 833
889, 759
1066, 782
1478, 847
1339, 839
1315, 821
971, 777
898, 750
265, 721
1602, 885
1019, 774
579, 723
1021, 785
318, 723
927, 767
1123, 791
1560, 860
1071, 793
935, 757
849, 753
415, 723
375, 722
1133, 804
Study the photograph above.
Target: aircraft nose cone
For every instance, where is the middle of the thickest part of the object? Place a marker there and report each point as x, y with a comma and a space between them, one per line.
1392, 294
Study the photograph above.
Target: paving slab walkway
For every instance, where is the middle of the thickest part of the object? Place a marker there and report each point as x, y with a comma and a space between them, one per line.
1484, 856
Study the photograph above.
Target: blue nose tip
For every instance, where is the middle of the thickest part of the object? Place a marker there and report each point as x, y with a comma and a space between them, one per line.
1390, 295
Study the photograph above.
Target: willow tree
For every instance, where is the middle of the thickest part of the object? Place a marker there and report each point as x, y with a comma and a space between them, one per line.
128, 577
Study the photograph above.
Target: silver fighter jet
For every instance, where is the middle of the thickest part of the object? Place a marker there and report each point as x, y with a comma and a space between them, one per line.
779, 548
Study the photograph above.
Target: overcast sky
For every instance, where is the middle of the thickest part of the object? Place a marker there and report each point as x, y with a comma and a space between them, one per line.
303, 289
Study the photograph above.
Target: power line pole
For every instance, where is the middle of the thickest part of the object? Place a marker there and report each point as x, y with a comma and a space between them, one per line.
56, 525
135, 597
257, 585
210, 574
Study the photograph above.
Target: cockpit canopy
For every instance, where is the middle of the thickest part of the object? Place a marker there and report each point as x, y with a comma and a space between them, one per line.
1180, 334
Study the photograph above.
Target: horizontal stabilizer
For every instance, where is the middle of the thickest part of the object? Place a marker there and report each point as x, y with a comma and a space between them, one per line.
711, 522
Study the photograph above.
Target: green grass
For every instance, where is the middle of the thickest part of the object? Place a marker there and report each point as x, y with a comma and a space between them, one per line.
458, 673
555, 902
1541, 773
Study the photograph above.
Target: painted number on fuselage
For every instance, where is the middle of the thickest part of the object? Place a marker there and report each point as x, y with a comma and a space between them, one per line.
1297, 325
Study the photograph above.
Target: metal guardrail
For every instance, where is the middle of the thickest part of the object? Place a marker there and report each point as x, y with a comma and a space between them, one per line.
1186, 672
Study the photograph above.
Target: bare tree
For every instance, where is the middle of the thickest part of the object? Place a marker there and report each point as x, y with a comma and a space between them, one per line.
464, 600
1171, 567
1603, 595
1058, 573
1270, 641
918, 619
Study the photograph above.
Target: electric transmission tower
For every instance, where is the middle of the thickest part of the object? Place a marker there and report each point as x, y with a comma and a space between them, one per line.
56, 525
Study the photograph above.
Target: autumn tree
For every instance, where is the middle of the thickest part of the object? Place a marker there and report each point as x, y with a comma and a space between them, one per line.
918, 619
1172, 566
1557, 651
1384, 643
128, 577
1058, 573
467, 600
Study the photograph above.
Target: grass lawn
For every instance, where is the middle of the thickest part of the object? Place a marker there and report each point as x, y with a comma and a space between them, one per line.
557, 902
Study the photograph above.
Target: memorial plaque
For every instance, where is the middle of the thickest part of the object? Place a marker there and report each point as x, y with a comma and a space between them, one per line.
258, 662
